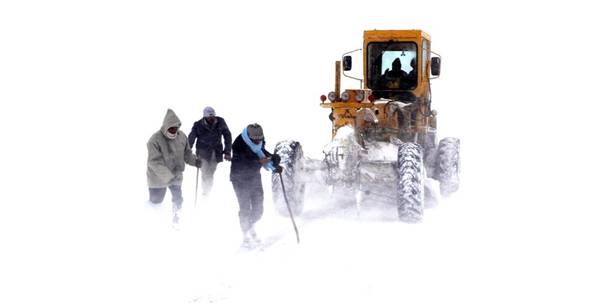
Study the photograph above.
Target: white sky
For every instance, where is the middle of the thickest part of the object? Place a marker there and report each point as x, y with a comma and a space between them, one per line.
83, 84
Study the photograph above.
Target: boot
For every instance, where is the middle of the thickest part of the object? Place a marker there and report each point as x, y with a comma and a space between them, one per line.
253, 236
247, 241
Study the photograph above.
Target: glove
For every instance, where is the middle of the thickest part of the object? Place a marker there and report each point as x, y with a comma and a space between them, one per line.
278, 169
227, 156
275, 160
198, 163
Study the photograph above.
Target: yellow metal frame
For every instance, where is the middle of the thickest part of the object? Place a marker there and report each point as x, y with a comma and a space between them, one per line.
344, 111
416, 36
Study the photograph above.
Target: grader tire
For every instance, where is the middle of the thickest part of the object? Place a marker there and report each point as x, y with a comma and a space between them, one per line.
410, 189
448, 165
291, 154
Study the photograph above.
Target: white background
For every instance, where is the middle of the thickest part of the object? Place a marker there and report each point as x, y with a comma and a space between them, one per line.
83, 84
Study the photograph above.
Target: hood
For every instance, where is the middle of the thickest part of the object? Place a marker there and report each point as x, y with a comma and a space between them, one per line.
170, 120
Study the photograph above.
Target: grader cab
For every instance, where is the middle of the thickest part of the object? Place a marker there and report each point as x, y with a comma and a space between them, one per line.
384, 144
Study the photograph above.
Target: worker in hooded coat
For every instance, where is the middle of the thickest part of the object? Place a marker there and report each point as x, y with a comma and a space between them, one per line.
168, 151
249, 155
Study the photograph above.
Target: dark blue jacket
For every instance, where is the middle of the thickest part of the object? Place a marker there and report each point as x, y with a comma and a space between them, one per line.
245, 163
208, 138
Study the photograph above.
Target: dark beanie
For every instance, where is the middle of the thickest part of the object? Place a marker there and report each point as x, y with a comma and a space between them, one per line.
255, 132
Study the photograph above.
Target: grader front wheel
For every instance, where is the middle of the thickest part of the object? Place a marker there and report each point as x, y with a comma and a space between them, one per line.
291, 154
410, 189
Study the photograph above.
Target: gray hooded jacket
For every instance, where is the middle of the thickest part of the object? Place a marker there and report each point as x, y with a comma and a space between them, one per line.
167, 157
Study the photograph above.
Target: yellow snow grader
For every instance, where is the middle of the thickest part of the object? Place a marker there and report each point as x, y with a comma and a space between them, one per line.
384, 144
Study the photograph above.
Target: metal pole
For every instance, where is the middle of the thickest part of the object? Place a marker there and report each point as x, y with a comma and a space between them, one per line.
197, 176
288, 206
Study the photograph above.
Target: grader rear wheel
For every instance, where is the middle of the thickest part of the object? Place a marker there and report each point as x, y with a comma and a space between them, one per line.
448, 165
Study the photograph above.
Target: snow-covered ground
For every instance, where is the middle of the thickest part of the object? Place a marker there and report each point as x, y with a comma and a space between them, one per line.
83, 85
471, 248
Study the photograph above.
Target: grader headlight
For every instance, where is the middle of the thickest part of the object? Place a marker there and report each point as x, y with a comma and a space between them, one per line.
359, 96
332, 96
345, 96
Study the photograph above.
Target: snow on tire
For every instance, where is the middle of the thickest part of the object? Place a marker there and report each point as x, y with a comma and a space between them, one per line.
410, 188
291, 154
448, 165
